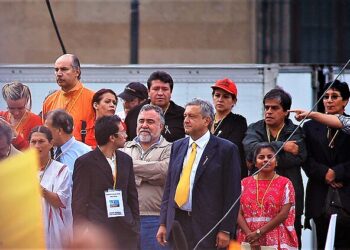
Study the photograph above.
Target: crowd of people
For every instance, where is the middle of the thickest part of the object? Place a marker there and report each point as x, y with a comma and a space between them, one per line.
162, 176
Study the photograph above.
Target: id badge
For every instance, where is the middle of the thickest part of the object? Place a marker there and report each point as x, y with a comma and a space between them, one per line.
114, 203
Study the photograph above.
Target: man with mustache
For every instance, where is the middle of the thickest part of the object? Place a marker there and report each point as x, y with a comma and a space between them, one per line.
73, 97
150, 153
275, 128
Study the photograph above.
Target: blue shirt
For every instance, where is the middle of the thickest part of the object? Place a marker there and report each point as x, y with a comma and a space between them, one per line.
71, 150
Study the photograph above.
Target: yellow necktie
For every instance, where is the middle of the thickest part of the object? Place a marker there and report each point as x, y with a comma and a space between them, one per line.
183, 187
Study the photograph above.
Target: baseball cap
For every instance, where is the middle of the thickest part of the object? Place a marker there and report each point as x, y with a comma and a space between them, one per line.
226, 84
132, 90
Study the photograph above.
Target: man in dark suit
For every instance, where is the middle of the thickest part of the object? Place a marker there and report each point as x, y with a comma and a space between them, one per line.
98, 176
202, 184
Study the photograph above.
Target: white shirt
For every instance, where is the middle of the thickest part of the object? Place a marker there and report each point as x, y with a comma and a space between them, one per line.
201, 144
112, 161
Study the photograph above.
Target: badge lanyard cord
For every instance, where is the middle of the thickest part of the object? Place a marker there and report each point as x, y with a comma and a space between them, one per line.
115, 175
274, 156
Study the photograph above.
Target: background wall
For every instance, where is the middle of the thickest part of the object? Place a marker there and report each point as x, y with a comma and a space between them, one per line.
98, 31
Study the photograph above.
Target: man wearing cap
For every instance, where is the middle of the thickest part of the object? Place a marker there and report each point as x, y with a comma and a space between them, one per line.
227, 125
134, 94
160, 86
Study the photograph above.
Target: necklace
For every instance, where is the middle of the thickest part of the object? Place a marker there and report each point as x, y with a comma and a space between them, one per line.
269, 133
46, 167
261, 204
331, 140
166, 109
216, 124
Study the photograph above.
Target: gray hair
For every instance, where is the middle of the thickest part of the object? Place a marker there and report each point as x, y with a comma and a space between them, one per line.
5, 130
15, 91
61, 119
76, 64
157, 109
207, 109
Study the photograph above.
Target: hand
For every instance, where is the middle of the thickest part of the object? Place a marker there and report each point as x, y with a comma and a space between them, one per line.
252, 237
336, 184
299, 114
161, 235
43, 190
255, 245
222, 240
330, 176
291, 147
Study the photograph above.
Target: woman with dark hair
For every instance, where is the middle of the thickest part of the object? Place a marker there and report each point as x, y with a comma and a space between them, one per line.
267, 213
104, 103
226, 124
19, 102
56, 187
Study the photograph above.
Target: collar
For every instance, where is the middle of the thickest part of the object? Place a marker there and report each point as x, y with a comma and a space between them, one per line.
114, 156
68, 144
202, 141
137, 142
76, 88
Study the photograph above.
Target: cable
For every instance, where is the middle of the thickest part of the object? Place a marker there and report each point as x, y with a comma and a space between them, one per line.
55, 26
274, 156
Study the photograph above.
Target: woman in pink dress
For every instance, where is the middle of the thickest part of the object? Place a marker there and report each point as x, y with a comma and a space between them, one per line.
267, 212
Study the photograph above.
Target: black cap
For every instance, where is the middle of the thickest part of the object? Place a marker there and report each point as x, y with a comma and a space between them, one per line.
132, 90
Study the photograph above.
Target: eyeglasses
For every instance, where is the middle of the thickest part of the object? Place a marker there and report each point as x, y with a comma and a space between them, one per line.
333, 97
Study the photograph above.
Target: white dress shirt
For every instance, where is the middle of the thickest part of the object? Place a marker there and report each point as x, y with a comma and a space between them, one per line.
201, 144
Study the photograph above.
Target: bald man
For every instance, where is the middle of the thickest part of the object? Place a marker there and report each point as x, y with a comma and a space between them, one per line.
73, 97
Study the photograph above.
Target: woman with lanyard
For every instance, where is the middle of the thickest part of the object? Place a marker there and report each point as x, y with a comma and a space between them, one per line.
226, 124
267, 213
19, 117
55, 182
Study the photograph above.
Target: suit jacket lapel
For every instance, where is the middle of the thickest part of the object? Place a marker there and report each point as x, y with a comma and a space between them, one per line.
181, 154
207, 156
102, 163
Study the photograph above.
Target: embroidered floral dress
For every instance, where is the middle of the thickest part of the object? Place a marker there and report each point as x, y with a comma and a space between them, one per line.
272, 196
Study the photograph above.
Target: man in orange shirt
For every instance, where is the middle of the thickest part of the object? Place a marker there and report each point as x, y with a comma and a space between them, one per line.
73, 96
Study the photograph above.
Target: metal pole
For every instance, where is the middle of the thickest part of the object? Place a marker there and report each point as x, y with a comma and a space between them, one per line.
134, 32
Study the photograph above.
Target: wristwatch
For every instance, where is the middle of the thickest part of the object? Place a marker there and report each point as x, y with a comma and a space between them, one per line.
258, 232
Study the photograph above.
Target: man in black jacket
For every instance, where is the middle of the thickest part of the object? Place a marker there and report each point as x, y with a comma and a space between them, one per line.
160, 86
276, 128
104, 189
